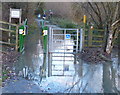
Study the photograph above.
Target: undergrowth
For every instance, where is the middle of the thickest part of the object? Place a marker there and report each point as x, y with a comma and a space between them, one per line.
63, 23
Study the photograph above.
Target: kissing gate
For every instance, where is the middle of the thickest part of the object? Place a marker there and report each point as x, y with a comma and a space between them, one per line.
63, 44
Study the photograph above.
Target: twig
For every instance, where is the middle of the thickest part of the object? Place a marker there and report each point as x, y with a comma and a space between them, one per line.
85, 87
76, 83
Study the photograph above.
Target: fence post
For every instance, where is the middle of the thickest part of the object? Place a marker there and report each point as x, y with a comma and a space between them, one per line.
90, 38
45, 34
42, 24
45, 39
22, 32
16, 38
21, 38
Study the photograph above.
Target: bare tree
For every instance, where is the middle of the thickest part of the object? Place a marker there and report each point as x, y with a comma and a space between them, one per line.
102, 15
114, 30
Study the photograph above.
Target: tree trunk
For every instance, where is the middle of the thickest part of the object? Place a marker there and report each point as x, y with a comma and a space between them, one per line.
112, 35
114, 30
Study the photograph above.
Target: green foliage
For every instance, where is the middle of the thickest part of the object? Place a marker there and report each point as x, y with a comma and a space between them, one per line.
63, 23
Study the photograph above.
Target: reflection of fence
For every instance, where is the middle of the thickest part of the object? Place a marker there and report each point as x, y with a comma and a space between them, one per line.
12, 34
94, 38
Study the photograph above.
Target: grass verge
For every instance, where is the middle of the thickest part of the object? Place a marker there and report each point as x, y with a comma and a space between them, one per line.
63, 23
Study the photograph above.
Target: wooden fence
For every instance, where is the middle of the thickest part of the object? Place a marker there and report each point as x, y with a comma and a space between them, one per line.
94, 38
6, 28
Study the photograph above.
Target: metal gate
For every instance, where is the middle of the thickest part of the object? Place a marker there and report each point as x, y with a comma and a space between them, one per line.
63, 44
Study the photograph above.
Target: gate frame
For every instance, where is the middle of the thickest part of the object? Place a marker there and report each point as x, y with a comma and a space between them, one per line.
50, 39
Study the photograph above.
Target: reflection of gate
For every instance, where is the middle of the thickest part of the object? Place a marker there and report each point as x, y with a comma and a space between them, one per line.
63, 44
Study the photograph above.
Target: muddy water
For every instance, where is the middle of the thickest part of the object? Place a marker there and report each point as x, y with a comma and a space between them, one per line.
31, 59
77, 78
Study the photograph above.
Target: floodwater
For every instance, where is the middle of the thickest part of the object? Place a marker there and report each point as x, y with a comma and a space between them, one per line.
68, 77
32, 58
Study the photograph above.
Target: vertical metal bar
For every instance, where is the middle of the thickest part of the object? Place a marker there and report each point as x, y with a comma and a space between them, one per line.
90, 38
52, 32
16, 38
77, 41
52, 39
81, 39
64, 51
49, 39
50, 53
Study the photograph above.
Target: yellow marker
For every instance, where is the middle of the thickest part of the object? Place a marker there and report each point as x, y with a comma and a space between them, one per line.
85, 18
43, 33
23, 33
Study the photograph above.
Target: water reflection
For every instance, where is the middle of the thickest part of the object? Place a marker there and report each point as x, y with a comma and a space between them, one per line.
84, 77
32, 57
110, 77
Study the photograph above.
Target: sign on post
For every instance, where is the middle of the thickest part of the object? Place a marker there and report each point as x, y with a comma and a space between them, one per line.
20, 31
15, 13
67, 36
45, 32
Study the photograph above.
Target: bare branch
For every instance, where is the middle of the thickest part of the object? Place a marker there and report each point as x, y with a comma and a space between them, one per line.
99, 13
90, 14
99, 18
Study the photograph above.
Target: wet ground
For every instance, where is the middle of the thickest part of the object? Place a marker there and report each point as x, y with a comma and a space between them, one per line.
81, 77
27, 68
21, 85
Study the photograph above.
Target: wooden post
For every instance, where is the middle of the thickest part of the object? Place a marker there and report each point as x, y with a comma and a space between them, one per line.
16, 38
90, 38
20, 16
83, 38
9, 27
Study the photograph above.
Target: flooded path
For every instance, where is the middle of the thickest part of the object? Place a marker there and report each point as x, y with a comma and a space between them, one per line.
27, 67
81, 77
